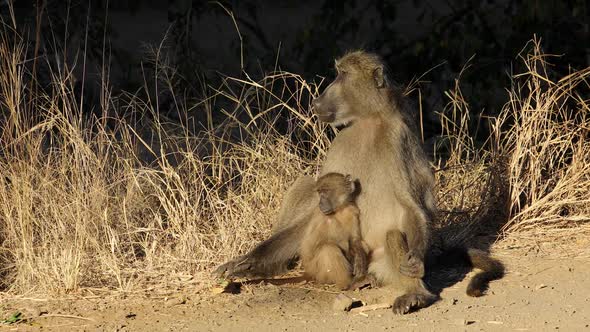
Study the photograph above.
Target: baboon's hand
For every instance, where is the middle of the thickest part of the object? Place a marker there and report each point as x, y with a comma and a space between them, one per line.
362, 281
412, 266
359, 259
238, 267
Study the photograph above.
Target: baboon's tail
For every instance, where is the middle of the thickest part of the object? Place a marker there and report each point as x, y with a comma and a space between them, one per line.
491, 268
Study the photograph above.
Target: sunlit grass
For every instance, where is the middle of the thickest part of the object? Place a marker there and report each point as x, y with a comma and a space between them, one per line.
96, 200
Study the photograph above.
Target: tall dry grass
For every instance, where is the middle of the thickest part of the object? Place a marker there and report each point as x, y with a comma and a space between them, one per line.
544, 131
93, 200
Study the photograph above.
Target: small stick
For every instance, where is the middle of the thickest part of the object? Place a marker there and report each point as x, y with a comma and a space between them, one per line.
67, 316
371, 307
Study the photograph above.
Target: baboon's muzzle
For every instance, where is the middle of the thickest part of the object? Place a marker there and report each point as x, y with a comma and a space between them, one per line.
325, 114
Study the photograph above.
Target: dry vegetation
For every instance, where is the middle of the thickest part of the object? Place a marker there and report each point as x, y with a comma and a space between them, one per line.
92, 200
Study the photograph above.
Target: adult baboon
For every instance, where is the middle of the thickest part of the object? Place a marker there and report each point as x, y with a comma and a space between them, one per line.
332, 250
379, 147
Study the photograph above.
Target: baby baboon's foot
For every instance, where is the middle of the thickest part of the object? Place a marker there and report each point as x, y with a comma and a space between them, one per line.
412, 266
410, 302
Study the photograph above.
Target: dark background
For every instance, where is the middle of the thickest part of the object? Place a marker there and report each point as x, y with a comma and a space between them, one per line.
430, 40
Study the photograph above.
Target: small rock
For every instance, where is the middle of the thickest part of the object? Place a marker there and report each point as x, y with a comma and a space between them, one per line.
540, 286
342, 303
175, 301
464, 322
454, 301
36, 312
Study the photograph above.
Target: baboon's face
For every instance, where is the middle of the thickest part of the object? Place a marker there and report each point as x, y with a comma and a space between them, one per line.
335, 191
358, 84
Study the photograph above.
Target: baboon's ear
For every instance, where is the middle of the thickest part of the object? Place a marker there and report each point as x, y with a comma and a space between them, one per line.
379, 77
351, 183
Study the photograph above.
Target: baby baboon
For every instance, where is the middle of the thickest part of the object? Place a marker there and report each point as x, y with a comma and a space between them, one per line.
332, 242
379, 147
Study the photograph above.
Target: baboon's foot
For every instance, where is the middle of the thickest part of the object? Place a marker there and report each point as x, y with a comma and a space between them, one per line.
411, 302
238, 267
412, 266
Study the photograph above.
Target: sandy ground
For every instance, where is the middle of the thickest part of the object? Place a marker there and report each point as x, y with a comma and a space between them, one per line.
537, 294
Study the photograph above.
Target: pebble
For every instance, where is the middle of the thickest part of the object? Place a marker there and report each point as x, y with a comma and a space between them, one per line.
342, 303
464, 322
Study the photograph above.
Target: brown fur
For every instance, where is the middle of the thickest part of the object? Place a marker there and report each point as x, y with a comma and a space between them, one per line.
332, 250
379, 147
491, 269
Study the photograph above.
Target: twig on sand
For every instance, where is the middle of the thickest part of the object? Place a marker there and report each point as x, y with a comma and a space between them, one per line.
67, 316
371, 307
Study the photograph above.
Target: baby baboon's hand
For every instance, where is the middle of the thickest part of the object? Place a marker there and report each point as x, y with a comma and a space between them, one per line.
361, 282
238, 267
412, 266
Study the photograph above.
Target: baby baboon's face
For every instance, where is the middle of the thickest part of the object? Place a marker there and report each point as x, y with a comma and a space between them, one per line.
360, 77
335, 190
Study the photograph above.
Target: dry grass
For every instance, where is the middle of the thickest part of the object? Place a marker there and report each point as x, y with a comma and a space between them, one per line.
92, 200
544, 131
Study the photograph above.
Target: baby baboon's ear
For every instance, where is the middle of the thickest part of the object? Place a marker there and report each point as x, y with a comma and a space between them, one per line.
351, 183
379, 77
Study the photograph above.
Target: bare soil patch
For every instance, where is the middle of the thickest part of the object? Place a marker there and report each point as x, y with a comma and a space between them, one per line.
536, 294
